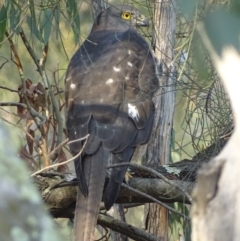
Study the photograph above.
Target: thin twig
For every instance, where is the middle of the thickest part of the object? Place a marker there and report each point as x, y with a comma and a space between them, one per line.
30, 50
5, 88
63, 163
80, 139
104, 236
154, 200
67, 142
56, 112
132, 205
44, 147
10, 112
1, 66
159, 175
13, 104
44, 56
55, 105
58, 147
17, 59
33, 113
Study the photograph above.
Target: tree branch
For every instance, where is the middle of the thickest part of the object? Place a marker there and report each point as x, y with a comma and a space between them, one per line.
157, 174
60, 195
124, 228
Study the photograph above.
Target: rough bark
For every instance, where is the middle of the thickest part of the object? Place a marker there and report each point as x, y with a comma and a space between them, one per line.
61, 198
60, 194
158, 151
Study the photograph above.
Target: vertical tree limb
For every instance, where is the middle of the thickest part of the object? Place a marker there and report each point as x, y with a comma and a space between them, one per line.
215, 211
158, 150
23, 216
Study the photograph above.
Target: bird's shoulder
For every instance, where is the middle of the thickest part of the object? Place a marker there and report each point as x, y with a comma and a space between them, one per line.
115, 36
104, 41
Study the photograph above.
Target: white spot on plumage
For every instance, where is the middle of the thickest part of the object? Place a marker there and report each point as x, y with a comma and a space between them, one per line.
109, 81
129, 64
116, 69
133, 112
72, 86
129, 51
127, 77
68, 79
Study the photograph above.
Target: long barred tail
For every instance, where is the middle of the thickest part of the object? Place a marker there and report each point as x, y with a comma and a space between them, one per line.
87, 207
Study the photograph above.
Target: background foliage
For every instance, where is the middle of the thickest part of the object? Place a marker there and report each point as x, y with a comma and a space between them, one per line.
57, 28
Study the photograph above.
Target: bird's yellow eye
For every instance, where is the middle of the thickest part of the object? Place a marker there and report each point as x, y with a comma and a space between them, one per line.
126, 15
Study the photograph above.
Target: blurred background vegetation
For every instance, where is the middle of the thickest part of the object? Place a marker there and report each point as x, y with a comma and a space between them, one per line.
202, 111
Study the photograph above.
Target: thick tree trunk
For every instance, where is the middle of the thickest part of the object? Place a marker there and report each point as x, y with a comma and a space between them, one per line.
215, 210
158, 151
216, 197
22, 214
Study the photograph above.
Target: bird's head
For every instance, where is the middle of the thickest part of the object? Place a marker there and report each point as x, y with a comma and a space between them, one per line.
120, 17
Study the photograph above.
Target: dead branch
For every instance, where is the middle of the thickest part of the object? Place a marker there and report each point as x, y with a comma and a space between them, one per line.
159, 175
60, 194
124, 228
66, 162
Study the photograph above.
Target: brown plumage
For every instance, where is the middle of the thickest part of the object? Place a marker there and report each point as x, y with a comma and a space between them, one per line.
110, 82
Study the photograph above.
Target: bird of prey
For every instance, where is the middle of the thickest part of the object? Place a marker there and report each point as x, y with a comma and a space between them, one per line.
110, 82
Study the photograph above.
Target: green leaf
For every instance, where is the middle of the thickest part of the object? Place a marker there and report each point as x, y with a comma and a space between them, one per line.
46, 24
14, 18
57, 20
3, 23
31, 22
73, 15
32, 10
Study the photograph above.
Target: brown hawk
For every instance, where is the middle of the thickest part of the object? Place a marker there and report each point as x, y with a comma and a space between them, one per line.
110, 83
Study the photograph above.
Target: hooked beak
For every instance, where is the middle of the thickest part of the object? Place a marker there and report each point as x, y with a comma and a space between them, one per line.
142, 21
